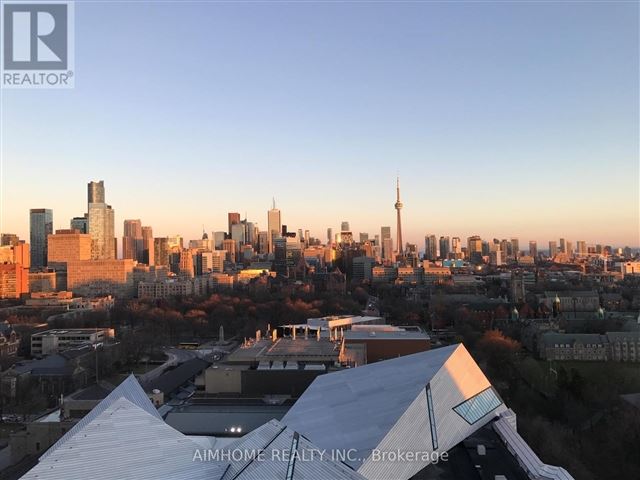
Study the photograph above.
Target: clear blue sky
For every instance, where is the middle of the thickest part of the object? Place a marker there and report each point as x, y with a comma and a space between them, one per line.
503, 119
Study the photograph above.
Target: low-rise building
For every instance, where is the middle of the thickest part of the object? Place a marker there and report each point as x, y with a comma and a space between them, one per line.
54, 341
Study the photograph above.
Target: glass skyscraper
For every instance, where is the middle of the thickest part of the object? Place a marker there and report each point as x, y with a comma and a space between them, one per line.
41, 225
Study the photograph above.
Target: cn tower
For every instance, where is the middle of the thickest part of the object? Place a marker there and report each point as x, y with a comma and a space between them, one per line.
398, 208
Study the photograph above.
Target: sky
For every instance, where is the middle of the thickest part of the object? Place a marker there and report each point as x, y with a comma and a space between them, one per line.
505, 119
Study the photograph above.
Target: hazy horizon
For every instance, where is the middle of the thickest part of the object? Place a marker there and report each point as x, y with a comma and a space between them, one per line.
502, 119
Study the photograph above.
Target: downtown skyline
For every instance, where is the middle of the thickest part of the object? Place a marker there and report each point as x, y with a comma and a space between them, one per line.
502, 120
220, 223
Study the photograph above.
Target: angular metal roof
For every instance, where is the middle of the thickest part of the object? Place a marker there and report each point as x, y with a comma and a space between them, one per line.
124, 441
281, 456
129, 389
356, 408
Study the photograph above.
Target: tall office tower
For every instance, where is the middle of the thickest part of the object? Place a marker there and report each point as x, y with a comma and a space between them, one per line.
445, 246
100, 221
300, 235
515, 248
456, 248
9, 239
307, 237
505, 249
474, 248
398, 206
250, 232
237, 234
387, 249
148, 252
385, 232
581, 247
229, 245
533, 248
344, 226
485, 248
161, 251
41, 225
563, 245
329, 236
218, 238
186, 267
80, 224
553, 248
95, 192
274, 226
430, 247
569, 248
263, 242
364, 237
132, 240
234, 219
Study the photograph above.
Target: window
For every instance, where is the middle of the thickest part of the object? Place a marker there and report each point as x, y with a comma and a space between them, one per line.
432, 418
478, 406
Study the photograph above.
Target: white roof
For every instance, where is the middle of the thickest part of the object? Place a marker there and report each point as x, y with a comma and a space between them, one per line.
275, 441
356, 408
129, 389
125, 442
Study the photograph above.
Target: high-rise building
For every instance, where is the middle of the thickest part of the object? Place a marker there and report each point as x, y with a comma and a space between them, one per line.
218, 238
14, 270
474, 248
385, 233
161, 251
100, 223
430, 247
533, 248
274, 226
80, 224
41, 225
364, 237
445, 247
148, 253
234, 218
132, 240
9, 239
515, 248
563, 245
95, 192
581, 246
229, 245
398, 206
344, 226
553, 248
456, 248
329, 236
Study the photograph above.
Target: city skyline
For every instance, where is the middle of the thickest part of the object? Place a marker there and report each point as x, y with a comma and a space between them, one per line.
123, 224
500, 122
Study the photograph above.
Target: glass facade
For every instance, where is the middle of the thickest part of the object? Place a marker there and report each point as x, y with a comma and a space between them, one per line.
478, 406
432, 418
41, 225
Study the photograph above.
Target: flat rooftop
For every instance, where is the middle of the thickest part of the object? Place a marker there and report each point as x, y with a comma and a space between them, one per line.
286, 349
301, 348
69, 331
382, 335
